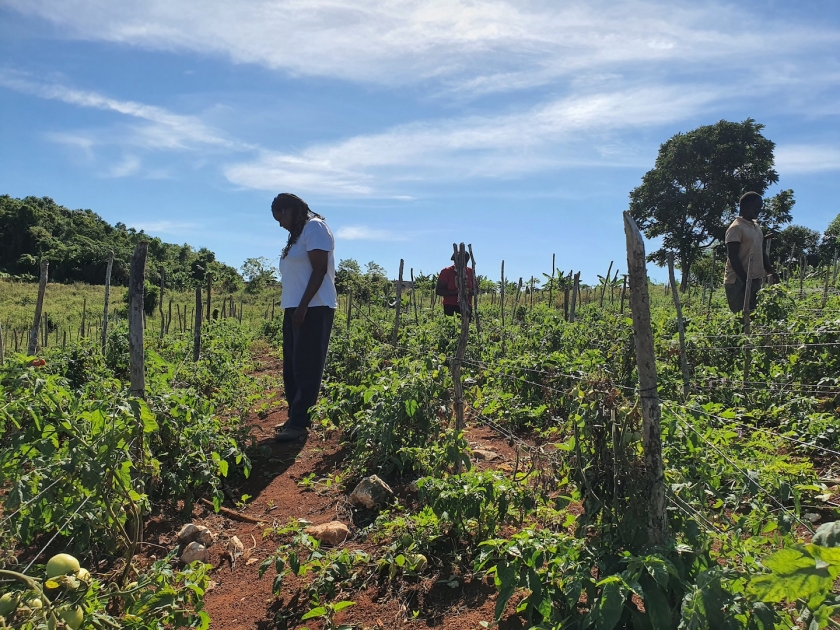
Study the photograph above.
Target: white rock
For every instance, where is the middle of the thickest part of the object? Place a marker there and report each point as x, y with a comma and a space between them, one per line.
195, 551
371, 492
333, 533
205, 536
484, 454
187, 534
235, 546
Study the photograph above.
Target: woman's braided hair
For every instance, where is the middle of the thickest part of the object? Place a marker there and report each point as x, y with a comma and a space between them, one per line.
300, 215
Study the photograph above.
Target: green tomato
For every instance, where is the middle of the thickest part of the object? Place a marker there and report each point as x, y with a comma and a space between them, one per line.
83, 574
420, 562
35, 603
72, 617
62, 564
8, 603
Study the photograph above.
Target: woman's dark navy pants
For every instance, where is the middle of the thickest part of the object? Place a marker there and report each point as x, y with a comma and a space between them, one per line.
304, 356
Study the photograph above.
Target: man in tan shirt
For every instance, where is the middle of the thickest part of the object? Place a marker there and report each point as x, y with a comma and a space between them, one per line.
745, 250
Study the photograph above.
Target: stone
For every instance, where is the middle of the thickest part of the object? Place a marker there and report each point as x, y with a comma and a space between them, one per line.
333, 533
187, 534
205, 536
235, 546
195, 551
371, 493
485, 455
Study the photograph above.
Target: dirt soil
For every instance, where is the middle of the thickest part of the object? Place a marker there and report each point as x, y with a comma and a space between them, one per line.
239, 599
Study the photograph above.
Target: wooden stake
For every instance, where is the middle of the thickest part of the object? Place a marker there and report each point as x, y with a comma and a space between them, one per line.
646, 365
411, 298
502, 306
566, 288
104, 339
349, 307
169, 316
84, 317
136, 280
802, 263
2, 346
396, 331
39, 305
551, 286
623, 291
460, 257
475, 295
209, 293
197, 328
606, 280
680, 325
746, 313
160, 303
825, 289
575, 292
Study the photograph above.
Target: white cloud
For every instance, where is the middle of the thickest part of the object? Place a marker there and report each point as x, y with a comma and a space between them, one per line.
803, 158
159, 129
130, 165
365, 233
164, 226
488, 45
549, 135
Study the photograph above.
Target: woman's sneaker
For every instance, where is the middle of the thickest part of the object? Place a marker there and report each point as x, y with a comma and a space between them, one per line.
291, 434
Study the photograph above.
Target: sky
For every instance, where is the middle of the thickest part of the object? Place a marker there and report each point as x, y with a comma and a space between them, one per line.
517, 126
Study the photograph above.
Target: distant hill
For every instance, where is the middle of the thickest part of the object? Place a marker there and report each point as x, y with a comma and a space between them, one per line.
77, 242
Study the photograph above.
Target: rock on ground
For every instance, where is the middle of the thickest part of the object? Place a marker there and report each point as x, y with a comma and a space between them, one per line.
485, 455
333, 533
195, 551
371, 493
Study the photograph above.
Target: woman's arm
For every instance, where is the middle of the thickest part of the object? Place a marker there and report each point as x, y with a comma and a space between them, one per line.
319, 260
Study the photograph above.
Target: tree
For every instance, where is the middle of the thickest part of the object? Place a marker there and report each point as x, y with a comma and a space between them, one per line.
258, 273
348, 276
690, 195
797, 239
830, 240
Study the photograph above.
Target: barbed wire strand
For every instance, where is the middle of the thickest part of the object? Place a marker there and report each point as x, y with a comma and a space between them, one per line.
60, 529
30, 501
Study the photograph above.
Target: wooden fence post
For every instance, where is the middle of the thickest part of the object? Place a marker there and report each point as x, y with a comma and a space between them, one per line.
39, 305
680, 324
746, 313
169, 317
606, 281
160, 302
825, 289
197, 328
646, 364
834, 267
413, 300
566, 288
349, 307
396, 331
104, 339
209, 293
82, 329
802, 264
623, 290
460, 257
551, 286
475, 295
575, 292
502, 306
136, 280
2, 346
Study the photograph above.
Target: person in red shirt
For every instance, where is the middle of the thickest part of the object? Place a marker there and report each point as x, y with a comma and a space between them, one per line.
448, 288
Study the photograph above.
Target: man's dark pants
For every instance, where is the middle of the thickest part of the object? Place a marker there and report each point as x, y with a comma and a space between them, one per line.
735, 295
304, 356
451, 309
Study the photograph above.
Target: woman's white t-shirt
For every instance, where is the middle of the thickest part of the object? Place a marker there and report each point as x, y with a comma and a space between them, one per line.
296, 269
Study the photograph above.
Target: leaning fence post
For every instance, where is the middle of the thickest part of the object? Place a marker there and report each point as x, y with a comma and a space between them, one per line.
39, 305
825, 289
2, 348
606, 281
197, 329
460, 258
646, 364
104, 339
475, 295
413, 300
136, 280
396, 331
680, 324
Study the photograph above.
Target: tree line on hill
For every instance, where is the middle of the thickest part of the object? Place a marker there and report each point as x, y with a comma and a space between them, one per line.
77, 242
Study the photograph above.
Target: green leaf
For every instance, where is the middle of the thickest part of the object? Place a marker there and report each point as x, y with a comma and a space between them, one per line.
411, 407
610, 604
320, 611
144, 415
338, 607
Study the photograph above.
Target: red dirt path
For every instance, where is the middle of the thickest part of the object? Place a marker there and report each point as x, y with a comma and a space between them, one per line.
241, 600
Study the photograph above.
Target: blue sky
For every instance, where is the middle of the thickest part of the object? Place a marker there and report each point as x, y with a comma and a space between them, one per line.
518, 126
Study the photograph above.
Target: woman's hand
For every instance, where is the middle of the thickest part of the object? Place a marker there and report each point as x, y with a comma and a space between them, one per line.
299, 316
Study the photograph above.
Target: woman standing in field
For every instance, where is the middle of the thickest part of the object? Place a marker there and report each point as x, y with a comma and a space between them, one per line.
309, 300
